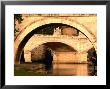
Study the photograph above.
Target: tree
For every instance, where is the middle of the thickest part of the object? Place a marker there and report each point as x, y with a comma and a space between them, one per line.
17, 17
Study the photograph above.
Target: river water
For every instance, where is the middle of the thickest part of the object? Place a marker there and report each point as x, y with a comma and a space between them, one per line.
38, 69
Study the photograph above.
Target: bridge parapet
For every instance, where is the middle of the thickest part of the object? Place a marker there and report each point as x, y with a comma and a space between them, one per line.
60, 36
80, 44
63, 37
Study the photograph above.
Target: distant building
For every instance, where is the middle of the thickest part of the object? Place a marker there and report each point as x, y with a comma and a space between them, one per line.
57, 31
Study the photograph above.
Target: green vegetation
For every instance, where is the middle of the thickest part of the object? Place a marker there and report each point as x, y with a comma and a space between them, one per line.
46, 31
92, 56
30, 70
23, 72
17, 17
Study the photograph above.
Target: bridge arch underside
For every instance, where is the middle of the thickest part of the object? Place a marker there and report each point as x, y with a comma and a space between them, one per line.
24, 36
60, 52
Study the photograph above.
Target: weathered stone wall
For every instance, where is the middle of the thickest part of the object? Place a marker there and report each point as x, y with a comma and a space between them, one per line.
69, 57
38, 53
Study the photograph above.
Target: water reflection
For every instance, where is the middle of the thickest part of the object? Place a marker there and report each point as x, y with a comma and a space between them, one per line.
54, 70
70, 69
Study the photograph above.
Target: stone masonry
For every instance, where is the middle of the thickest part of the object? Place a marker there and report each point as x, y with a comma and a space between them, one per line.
86, 23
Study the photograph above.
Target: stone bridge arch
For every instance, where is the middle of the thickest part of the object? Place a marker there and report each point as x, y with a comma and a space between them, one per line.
35, 41
37, 23
56, 51
77, 45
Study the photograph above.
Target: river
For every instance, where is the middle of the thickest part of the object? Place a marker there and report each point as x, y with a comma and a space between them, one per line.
56, 69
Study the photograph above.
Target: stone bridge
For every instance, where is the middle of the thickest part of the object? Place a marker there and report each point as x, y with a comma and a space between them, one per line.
80, 44
85, 23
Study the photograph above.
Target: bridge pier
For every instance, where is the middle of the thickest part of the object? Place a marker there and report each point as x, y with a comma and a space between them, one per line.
82, 57
27, 56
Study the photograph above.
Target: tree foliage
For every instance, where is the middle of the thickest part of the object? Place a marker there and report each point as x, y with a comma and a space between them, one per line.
17, 17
